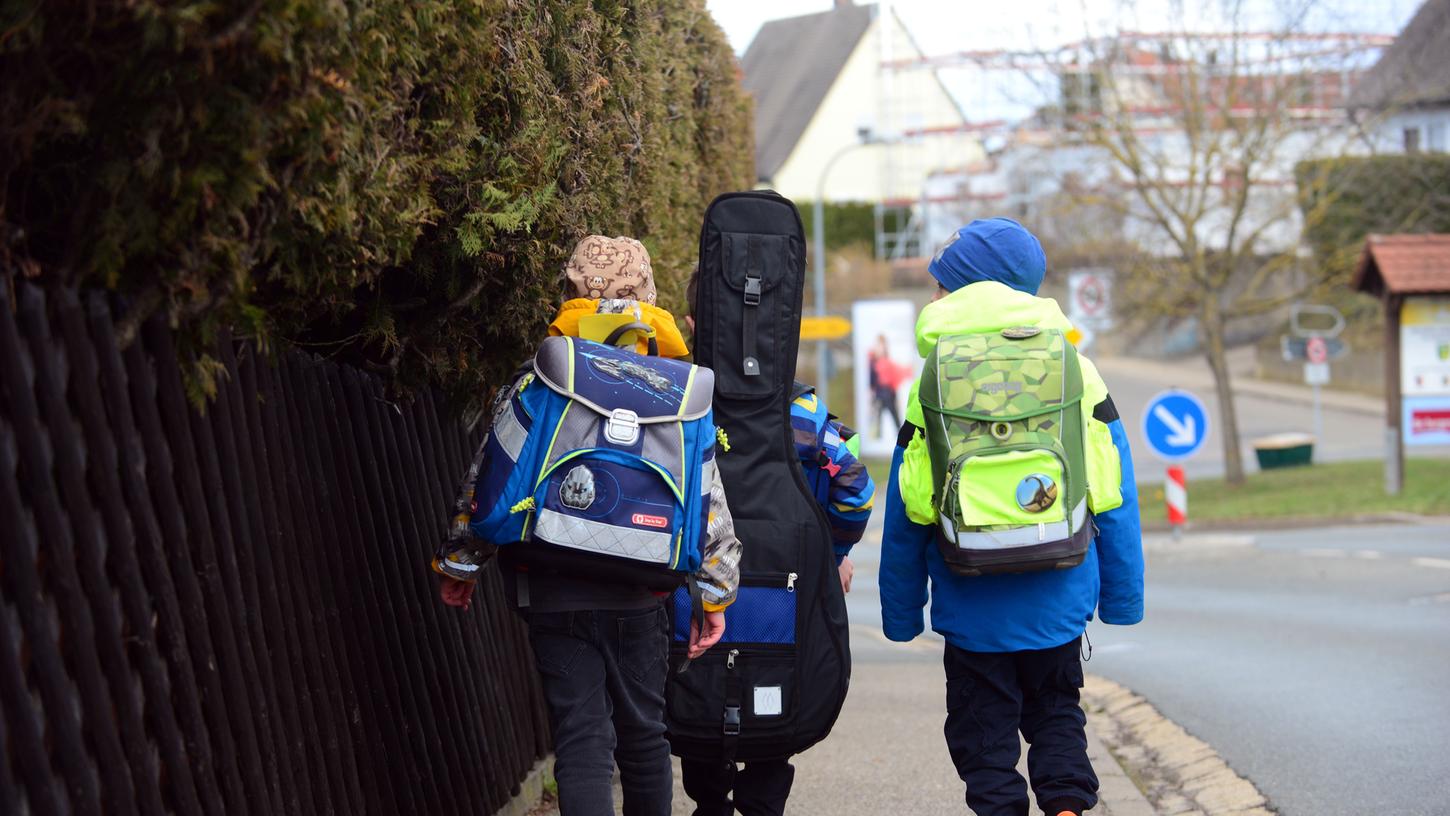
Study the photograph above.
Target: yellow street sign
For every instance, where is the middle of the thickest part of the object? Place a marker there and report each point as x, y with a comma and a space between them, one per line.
829, 327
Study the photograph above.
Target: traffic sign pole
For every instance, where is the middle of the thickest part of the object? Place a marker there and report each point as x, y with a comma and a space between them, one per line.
1175, 496
1175, 425
1317, 371
1318, 420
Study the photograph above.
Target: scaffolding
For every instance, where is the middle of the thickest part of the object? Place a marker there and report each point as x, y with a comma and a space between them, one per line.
1144, 81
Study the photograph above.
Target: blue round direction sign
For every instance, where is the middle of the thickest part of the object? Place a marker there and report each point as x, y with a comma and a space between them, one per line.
1175, 423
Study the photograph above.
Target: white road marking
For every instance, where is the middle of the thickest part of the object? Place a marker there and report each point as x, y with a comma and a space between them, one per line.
1426, 600
1368, 555
1438, 563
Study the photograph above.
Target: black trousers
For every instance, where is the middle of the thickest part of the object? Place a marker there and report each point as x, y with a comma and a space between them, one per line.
990, 697
604, 679
759, 788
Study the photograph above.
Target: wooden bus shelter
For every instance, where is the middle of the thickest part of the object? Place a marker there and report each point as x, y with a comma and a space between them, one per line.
1411, 276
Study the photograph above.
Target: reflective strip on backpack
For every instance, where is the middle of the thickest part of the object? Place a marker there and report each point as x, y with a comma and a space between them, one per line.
1017, 536
652, 546
707, 476
509, 432
665, 446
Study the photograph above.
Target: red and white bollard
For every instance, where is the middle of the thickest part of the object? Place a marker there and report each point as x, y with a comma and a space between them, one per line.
1175, 495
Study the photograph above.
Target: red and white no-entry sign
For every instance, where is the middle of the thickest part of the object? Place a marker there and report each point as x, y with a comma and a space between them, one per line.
1175, 495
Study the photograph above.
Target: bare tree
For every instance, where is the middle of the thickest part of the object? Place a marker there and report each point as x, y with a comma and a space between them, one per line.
1195, 138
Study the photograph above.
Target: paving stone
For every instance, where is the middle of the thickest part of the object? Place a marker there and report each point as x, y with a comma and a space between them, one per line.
1199, 768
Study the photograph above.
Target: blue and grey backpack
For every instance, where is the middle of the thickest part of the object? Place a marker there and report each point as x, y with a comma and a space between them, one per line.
600, 463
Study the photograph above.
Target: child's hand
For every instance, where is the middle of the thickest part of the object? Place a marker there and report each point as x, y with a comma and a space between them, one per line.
703, 637
456, 593
846, 570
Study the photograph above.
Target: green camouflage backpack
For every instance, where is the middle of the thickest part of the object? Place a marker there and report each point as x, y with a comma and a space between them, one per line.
1004, 430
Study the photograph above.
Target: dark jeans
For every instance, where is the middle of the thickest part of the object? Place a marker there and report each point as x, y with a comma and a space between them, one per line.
990, 696
760, 788
604, 679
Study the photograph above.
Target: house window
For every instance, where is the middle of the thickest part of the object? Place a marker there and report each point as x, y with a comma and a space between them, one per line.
1435, 137
1412, 139
1082, 93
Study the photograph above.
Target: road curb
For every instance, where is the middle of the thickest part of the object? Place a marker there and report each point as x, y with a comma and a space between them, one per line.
1180, 774
1118, 792
1296, 522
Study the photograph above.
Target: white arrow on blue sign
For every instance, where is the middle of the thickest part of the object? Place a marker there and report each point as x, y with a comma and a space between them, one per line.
1175, 423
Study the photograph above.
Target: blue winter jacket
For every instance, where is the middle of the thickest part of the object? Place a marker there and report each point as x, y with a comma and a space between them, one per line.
1009, 613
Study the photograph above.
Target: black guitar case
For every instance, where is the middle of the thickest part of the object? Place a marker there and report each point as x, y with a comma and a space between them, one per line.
774, 684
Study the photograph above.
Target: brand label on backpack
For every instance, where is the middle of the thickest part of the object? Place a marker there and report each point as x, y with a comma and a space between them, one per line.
645, 520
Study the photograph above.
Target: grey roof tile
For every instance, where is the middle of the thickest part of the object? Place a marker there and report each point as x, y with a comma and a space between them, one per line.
1415, 70
789, 67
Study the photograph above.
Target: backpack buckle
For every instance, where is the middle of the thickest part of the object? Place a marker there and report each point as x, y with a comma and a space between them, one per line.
622, 427
732, 720
752, 291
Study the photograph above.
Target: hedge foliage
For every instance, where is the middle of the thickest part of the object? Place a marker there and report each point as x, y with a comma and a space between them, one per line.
1374, 194
398, 182
847, 224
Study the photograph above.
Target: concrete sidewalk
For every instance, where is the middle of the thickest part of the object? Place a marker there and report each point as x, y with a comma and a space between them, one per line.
887, 754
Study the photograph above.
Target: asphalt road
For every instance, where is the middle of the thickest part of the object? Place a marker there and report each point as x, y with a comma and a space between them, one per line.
1314, 661
1347, 432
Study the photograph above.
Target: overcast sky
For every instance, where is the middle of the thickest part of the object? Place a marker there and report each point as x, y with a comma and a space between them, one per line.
955, 25
946, 26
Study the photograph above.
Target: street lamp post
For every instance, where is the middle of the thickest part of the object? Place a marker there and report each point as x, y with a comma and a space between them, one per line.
818, 250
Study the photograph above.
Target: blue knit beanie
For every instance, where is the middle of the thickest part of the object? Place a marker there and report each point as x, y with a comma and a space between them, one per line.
990, 249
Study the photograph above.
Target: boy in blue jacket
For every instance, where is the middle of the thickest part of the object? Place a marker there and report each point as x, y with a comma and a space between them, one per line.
840, 484
1012, 640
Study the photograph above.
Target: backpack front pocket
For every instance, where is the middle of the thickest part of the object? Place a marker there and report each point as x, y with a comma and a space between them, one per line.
764, 612
753, 686
600, 501
1015, 488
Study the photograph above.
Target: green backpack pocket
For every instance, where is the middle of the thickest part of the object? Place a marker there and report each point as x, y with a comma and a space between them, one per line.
1011, 488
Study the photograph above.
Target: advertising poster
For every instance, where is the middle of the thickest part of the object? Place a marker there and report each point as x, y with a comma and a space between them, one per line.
1425, 347
1426, 420
883, 349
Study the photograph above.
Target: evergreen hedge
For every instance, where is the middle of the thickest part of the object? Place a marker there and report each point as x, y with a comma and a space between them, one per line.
1371, 194
397, 182
849, 223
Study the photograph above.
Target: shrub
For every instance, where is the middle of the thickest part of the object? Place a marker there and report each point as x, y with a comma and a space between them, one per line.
1374, 194
847, 224
1353, 197
396, 182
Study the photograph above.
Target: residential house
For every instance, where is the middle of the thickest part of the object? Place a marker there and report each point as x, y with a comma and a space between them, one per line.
1405, 98
820, 86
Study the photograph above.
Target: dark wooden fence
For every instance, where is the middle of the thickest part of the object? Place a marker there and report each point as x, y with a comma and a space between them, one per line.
231, 612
